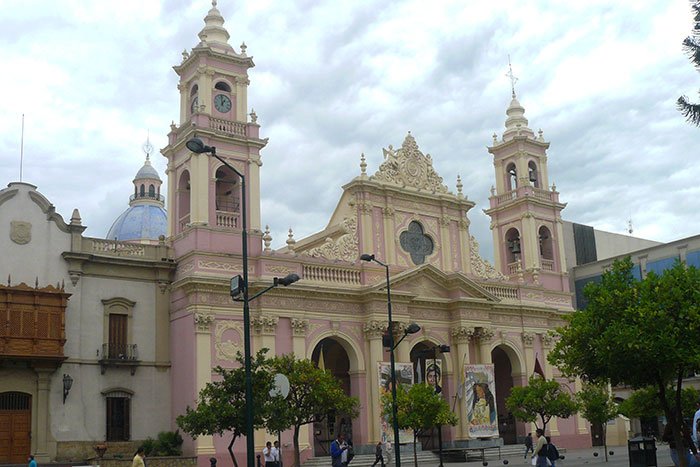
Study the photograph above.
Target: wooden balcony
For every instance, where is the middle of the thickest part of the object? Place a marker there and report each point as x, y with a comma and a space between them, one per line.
32, 323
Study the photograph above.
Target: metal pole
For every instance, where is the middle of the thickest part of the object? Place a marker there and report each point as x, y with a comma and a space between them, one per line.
394, 408
439, 427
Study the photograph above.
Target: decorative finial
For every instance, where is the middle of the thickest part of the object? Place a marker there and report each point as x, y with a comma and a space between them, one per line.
290, 239
493, 190
459, 186
363, 165
253, 116
8, 280
243, 48
267, 238
213, 3
173, 127
629, 226
75, 218
512, 77
36, 282
185, 55
495, 139
147, 146
554, 187
540, 134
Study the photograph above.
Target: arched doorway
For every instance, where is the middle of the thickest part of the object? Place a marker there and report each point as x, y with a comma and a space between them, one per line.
15, 427
429, 366
503, 374
330, 355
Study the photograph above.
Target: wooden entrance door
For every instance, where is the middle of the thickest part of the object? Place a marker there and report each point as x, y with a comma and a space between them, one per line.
15, 427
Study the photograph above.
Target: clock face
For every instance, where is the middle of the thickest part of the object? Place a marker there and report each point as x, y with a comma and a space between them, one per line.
195, 104
222, 103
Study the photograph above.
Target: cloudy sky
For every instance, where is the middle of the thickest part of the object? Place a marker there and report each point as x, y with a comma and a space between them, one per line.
334, 79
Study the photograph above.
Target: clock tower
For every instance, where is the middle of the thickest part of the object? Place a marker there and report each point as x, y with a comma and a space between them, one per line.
525, 211
203, 195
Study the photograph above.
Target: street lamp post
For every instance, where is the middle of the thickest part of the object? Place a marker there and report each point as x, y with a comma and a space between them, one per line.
413, 328
197, 146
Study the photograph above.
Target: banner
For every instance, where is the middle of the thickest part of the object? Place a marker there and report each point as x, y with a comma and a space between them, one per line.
480, 398
433, 374
404, 376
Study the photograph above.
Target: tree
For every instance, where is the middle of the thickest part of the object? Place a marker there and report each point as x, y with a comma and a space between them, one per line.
636, 333
691, 45
644, 402
221, 404
597, 406
419, 409
542, 398
313, 393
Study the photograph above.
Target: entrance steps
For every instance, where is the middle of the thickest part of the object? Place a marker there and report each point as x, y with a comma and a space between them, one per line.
366, 460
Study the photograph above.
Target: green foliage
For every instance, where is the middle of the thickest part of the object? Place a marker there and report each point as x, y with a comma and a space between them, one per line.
596, 403
169, 443
542, 398
313, 393
221, 403
636, 333
691, 46
645, 402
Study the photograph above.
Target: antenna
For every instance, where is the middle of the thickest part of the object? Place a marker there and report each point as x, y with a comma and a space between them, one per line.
21, 151
512, 77
629, 226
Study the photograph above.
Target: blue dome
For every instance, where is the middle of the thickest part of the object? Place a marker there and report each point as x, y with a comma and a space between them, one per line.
140, 222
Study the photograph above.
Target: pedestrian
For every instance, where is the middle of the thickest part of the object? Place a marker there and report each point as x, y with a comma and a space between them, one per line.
276, 453
528, 445
338, 447
696, 424
540, 451
138, 458
378, 457
32, 462
552, 452
267, 455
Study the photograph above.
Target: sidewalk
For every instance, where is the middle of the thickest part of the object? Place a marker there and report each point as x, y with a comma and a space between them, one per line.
572, 458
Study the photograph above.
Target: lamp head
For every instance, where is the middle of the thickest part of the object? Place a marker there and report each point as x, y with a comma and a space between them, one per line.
366, 257
67, 382
412, 328
197, 146
444, 348
287, 280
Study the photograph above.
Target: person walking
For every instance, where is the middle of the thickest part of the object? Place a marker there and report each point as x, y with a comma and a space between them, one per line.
378, 455
540, 451
276, 453
552, 452
338, 447
528, 445
32, 462
268, 455
138, 458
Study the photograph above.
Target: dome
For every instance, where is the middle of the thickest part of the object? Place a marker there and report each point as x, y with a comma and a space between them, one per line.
140, 222
147, 172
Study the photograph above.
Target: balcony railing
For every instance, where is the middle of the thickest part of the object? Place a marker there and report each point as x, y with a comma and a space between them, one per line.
228, 126
334, 275
160, 198
547, 264
116, 355
227, 219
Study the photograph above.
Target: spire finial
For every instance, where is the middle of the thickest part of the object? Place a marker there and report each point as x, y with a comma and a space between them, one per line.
363, 165
459, 186
213, 3
267, 238
512, 77
147, 146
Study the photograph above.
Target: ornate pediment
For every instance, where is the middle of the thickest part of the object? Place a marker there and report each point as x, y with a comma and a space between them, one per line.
481, 267
428, 282
408, 167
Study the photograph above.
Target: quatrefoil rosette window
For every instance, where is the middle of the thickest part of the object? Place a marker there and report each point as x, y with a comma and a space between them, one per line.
416, 243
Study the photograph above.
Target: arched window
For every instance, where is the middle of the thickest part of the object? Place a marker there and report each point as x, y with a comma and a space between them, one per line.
142, 190
183, 201
512, 174
227, 191
513, 251
222, 86
151, 191
194, 91
532, 174
546, 250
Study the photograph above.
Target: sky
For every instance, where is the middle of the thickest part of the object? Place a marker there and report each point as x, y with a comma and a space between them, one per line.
334, 79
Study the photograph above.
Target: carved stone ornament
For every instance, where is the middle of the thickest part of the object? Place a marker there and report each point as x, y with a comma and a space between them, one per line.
462, 334
481, 267
202, 321
548, 340
485, 335
409, 167
375, 329
20, 232
299, 327
528, 339
265, 324
227, 349
344, 247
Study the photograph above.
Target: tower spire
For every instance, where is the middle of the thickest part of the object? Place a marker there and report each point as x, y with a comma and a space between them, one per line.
512, 77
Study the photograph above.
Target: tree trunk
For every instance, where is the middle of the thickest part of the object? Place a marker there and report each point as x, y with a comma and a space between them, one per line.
675, 420
297, 454
605, 440
230, 450
415, 454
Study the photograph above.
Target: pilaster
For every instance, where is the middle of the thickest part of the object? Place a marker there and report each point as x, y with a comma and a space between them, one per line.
389, 237
465, 245
300, 327
253, 184
444, 223
41, 448
485, 336
461, 337
373, 335
203, 319
547, 344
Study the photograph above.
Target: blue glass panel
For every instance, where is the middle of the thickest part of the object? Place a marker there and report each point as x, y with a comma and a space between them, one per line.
693, 259
637, 271
660, 265
581, 300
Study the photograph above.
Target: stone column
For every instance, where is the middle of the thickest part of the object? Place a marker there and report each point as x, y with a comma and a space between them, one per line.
300, 328
581, 425
402, 354
364, 226
264, 328
560, 244
461, 336
389, 237
465, 244
373, 336
41, 448
444, 226
547, 344
529, 354
485, 336
204, 445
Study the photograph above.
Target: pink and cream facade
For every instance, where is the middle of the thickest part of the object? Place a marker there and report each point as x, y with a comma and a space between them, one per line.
406, 216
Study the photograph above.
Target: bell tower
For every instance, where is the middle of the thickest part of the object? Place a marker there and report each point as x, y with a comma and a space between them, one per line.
204, 196
525, 211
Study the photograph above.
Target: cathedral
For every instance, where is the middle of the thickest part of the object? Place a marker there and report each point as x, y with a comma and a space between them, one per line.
106, 341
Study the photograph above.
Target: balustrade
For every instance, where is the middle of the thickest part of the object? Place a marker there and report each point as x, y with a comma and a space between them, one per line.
227, 126
331, 274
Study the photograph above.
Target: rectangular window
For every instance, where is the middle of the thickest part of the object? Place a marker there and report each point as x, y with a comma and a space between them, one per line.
117, 336
118, 418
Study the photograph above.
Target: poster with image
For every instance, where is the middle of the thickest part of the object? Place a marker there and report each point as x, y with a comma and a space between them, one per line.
433, 374
480, 401
404, 376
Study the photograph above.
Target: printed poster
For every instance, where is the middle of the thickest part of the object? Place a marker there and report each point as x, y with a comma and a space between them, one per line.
433, 374
404, 376
480, 397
